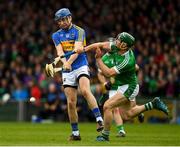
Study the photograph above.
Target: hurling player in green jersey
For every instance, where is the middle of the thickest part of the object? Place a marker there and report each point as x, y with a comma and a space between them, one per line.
107, 93
125, 85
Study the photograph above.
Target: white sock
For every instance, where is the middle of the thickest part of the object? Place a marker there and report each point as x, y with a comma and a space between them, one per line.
99, 119
75, 133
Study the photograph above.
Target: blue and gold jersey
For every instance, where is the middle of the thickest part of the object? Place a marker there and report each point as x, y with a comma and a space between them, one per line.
67, 40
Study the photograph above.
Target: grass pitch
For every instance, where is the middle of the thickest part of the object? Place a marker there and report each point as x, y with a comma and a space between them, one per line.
56, 134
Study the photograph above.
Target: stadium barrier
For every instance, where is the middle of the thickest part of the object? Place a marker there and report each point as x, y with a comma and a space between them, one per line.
23, 111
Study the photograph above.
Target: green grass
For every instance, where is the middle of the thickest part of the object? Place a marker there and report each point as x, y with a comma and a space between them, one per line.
57, 134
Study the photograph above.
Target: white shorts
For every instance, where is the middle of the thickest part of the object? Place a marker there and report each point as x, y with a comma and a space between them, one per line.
122, 89
71, 78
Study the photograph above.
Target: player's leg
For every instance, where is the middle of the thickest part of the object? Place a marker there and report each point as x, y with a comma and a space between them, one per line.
117, 100
126, 107
71, 94
131, 112
130, 92
122, 97
156, 103
84, 85
119, 122
117, 117
70, 90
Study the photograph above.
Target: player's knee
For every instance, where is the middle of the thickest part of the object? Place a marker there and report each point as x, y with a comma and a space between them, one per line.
85, 92
106, 107
128, 115
125, 116
71, 104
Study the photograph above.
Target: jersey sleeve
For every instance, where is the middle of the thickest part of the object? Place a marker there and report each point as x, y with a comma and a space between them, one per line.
56, 39
123, 66
80, 35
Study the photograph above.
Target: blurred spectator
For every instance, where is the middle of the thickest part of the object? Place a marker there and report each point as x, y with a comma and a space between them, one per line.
51, 105
3, 87
19, 93
35, 92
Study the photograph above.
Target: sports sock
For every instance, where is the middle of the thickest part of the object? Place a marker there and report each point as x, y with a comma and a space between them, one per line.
75, 130
75, 133
148, 106
120, 127
97, 114
105, 133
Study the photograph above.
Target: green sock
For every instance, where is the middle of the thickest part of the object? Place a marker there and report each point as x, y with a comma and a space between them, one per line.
148, 106
105, 133
119, 127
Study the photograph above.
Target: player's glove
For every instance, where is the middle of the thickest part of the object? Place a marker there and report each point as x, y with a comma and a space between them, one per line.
107, 85
49, 70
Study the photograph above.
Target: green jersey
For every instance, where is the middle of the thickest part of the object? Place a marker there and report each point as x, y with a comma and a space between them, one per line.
124, 66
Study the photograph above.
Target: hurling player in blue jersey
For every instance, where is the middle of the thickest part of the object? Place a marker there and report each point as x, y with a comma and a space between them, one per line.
76, 71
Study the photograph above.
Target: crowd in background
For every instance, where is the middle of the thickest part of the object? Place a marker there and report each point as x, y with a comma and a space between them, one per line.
26, 45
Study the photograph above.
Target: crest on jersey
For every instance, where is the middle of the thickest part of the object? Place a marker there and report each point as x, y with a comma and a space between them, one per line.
67, 35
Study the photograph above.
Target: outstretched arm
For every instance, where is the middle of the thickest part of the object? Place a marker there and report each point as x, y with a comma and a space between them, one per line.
94, 46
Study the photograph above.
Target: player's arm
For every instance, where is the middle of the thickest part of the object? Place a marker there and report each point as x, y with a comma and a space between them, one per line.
117, 69
106, 84
49, 68
108, 72
94, 46
79, 44
59, 49
101, 77
60, 52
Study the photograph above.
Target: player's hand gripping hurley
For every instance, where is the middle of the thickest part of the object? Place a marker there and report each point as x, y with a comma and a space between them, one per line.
50, 69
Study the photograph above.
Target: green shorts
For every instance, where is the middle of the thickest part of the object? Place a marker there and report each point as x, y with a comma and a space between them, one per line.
129, 91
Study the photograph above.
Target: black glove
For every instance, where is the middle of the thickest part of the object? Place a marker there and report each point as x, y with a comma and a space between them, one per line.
108, 85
